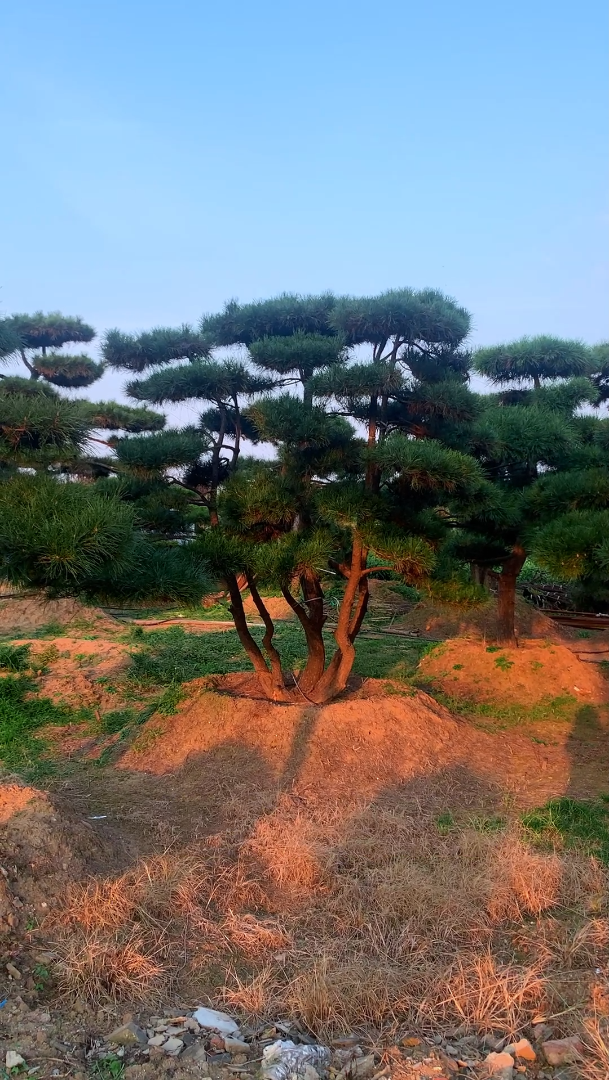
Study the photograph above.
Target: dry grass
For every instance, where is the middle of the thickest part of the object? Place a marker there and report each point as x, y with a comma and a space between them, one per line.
378, 918
596, 1040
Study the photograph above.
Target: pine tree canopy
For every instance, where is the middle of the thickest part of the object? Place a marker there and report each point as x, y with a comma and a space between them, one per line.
219, 381
152, 349
70, 372
40, 428
149, 454
280, 317
114, 416
427, 320
599, 358
40, 331
534, 358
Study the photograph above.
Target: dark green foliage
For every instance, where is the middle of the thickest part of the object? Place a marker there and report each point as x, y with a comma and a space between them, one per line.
575, 545
280, 317
40, 331
55, 536
425, 316
427, 465
70, 372
572, 824
9, 339
22, 713
533, 358
16, 386
39, 428
207, 380
523, 437
148, 571
303, 353
599, 362
147, 454
15, 657
158, 346
114, 416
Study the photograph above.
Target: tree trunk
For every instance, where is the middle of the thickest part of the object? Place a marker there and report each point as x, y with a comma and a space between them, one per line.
313, 630
267, 641
271, 686
334, 680
506, 598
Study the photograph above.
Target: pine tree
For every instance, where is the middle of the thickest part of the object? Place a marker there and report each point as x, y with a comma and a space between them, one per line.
32, 336
524, 435
66, 536
329, 500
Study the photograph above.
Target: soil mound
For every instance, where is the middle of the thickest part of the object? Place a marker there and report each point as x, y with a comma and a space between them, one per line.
532, 673
440, 621
351, 750
33, 612
44, 846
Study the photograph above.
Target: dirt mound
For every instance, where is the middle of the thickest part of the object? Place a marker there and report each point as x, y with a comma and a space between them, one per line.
34, 612
75, 667
44, 846
345, 752
440, 621
532, 673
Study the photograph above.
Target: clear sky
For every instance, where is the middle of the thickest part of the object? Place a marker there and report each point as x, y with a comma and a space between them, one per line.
162, 156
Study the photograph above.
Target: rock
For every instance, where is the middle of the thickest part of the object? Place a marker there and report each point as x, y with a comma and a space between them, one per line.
173, 1046
522, 1050
563, 1051
499, 1066
361, 1068
541, 1032
13, 972
128, 1035
235, 1046
13, 1060
195, 1053
411, 1040
216, 1021
156, 1040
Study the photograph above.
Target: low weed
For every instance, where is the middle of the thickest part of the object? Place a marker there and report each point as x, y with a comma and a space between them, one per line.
503, 663
110, 1067
22, 713
492, 716
15, 657
571, 823
172, 656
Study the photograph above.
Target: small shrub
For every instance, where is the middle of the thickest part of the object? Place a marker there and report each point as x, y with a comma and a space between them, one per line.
15, 657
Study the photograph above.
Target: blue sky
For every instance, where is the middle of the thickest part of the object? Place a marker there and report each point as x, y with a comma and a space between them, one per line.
162, 157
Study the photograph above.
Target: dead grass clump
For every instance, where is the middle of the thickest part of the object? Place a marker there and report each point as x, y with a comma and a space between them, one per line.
256, 996
97, 967
290, 852
256, 937
484, 994
524, 882
559, 943
596, 1041
330, 995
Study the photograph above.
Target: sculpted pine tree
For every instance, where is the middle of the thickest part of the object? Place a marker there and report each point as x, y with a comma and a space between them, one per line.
38, 339
330, 500
523, 435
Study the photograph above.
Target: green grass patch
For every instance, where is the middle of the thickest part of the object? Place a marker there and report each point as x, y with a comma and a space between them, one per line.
492, 716
173, 656
572, 824
15, 657
22, 713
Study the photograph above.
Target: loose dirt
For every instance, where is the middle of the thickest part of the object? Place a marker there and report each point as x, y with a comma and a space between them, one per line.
34, 612
536, 671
